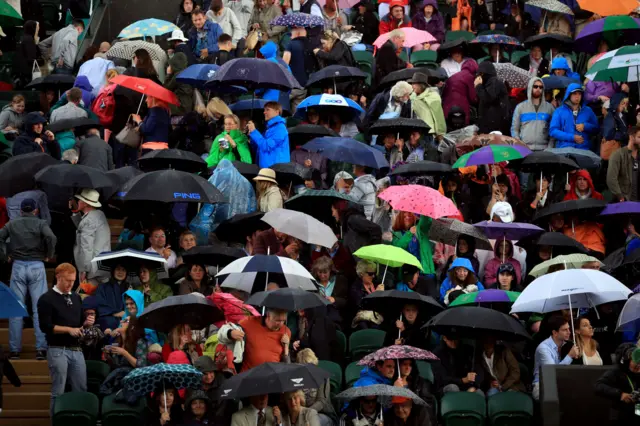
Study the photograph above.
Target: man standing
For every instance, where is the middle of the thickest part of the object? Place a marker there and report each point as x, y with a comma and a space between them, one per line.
158, 240
203, 37
427, 105
273, 147
573, 124
31, 242
62, 321
94, 152
72, 109
364, 189
93, 235
622, 174
387, 59
531, 118
64, 47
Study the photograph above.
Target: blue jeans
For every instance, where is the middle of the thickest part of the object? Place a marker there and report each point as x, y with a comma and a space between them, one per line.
493, 391
66, 364
27, 276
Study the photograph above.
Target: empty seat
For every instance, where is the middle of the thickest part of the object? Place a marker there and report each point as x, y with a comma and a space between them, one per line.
363, 342
336, 374
510, 409
76, 409
120, 413
463, 409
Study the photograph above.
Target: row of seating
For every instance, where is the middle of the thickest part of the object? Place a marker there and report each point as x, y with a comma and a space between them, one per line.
83, 409
472, 409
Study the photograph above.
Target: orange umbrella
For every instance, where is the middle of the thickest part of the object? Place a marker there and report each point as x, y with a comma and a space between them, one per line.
146, 87
609, 7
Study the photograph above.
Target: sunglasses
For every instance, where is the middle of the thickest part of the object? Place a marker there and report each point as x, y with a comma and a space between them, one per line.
538, 87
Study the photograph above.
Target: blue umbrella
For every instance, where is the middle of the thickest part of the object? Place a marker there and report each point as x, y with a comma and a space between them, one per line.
333, 101
10, 306
147, 28
251, 105
197, 75
252, 74
558, 82
348, 151
298, 20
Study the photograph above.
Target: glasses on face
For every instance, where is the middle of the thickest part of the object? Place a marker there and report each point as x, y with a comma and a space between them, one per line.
538, 87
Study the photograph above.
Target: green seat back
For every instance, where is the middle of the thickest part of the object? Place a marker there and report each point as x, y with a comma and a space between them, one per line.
403, 55
76, 409
50, 12
510, 409
360, 137
363, 57
363, 342
489, 32
425, 371
121, 414
517, 55
97, 371
423, 56
352, 374
292, 122
463, 409
456, 35
342, 342
336, 374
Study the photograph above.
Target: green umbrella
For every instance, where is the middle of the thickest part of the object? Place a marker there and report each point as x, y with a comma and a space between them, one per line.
485, 297
492, 154
621, 65
9, 17
387, 255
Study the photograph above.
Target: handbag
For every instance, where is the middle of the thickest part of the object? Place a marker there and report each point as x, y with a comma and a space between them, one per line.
129, 136
35, 74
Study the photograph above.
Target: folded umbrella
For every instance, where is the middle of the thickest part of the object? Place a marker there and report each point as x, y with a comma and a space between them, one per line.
389, 303
486, 297
73, 176
558, 82
492, 154
509, 231
335, 74
147, 28
397, 352
17, 173
349, 151
287, 299
197, 75
80, 125
585, 208
399, 125
146, 380
559, 243
630, 315
193, 309
569, 261
252, 74
146, 87
412, 37
10, 306
303, 133
448, 231
420, 200
214, 255
168, 186
174, 159
130, 259
345, 106
475, 322
421, 168
583, 158
240, 226
301, 226
298, 20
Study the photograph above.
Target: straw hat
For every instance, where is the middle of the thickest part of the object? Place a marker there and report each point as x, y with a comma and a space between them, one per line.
90, 196
268, 175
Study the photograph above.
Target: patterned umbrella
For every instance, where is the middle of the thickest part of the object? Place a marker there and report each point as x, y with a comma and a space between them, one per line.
448, 231
569, 261
143, 381
298, 20
420, 200
496, 39
397, 352
492, 154
551, 6
478, 141
515, 76
125, 50
380, 390
616, 30
147, 28
618, 65
486, 296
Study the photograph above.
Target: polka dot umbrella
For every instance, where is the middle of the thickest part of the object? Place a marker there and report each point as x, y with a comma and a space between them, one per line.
420, 200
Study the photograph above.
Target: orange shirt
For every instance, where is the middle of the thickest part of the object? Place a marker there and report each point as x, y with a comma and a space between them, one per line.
589, 234
261, 344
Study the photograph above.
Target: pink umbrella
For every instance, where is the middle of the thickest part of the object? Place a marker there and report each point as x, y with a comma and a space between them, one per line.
342, 4
411, 38
420, 200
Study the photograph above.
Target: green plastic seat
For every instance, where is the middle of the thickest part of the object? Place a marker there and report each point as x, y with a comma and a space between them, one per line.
336, 374
525, 373
463, 409
342, 342
97, 371
120, 413
76, 409
425, 371
517, 55
457, 35
424, 58
363, 342
364, 59
352, 374
510, 409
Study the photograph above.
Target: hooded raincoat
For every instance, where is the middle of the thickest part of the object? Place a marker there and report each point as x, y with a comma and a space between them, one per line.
434, 26
573, 192
82, 83
109, 297
184, 92
270, 52
450, 282
460, 91
564, 120
530, 122
26, 142
494, 112
560, 63
428, 107
157, 290
418, 245
491, 268
240, 152
614, 125
273, 146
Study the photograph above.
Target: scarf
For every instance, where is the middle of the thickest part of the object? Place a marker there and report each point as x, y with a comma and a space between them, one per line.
534, 65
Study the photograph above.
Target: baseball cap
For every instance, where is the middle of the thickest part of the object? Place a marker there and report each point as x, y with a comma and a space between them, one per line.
28, 205
503, 210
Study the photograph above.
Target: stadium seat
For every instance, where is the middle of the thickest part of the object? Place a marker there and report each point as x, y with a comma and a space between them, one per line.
342, 341
336, 374
120, 413
424, 58
365, 63
76, 409
517, 55
425, 371
352, 374
363, 342
456, 35
463, 409
510, 409
97, 371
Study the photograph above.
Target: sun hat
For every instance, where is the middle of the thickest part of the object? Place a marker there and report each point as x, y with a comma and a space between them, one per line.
90, 196
177, 35
268, 175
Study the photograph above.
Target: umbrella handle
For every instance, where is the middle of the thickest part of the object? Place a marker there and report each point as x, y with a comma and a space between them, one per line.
399, 334
140, 104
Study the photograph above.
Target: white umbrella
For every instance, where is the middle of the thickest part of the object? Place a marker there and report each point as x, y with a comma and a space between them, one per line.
301, 226
130, 258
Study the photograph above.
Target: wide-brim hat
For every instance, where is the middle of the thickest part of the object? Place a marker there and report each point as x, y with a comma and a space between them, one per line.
90, 196
177, 35
267, 175
419, 78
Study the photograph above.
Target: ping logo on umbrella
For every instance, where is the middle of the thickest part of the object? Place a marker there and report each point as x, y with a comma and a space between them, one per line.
186, 195
297, 382
225, 392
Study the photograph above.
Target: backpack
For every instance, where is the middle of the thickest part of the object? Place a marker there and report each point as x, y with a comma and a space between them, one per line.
104, 106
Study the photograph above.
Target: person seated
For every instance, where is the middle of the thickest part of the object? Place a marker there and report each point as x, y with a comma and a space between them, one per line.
453, 63
507, 278
150, 286
465, 247
499, 369
587, 346
405, 412
461, 276
196, 409
502, 212
364, 411
275, 242
581, 187
500, 191
109, 298
412, 380
196, 280
317, 399
405, 328
164, 407
158, 245
180, 339
454, 371
295, 413
410, 280
538, 197
212, 381
256, 412
363, 286
381, 374
187, 241
316, 330
619, 383
503, 251
333, 286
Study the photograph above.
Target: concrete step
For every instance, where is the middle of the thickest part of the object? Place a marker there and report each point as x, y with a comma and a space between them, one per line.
21, 421
28, 337
30, 367
29, 384
26, 400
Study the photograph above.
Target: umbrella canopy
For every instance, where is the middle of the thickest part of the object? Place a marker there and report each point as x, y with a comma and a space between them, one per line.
616, 30
542, 160
475, 321
192, 309
272, 377
512, 74
125, 50
120, 177
175, 159
496, 39
624, 208
249, 171
337, 102
582, 157
492, 154
548, 40
298, 20
287, 299
618, 65
421, 168
73, 176
630, 314
146, 380
551, 6
419, 199
399, 125
290, 174
412, 37
482, 140
448, 231
609, 8
397, 352
147, 28
301, 226
197, 75
17, 173
303, 133
52, 82
254, 73
569, 261
390, 303
316, 203
80, 125
558, 82
240, 226
386, 391
254, 105
214, 255
248, 273
509, 231
9, 17
10, 306
335, 74
387, 255
406, 74
129, 258
146, 87
560, 243
485, 297
349, 151
570, 289
168, 186
585, 208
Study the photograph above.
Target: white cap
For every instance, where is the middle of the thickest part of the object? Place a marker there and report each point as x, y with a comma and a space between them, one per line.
503, 210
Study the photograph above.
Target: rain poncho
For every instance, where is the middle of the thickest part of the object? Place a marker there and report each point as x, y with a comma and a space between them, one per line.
238, 193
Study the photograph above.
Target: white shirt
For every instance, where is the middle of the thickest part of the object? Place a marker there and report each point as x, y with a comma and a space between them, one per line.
489, 362
315, 10
171, 262
57, 290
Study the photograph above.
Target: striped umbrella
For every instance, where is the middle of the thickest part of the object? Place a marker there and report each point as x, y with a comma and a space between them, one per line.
618, 65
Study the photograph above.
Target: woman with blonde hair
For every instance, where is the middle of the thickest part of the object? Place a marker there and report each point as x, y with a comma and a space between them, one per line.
317, 399
214, 113
587, 346
230, 145
181, 339
332, 287
267, 191
334, 51
295, 413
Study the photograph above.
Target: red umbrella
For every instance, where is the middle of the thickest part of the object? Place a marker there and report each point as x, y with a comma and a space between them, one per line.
146, 87
420, 200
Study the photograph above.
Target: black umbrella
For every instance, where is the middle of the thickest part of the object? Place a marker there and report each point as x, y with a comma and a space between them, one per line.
57, 82
335, 74
406, 74
80, 125
584, 208
542, 160
389, 303
421, 168
17, 173
240, 226
316, 203
175, 159
399, 125
214, 255
169, 186
252, 74
448, 231
249, 171
548, 40
477, 322
560, 243
303, 133
192, 309
292, 174
287, 299
73, 176
273, 377
120, 177
443, 50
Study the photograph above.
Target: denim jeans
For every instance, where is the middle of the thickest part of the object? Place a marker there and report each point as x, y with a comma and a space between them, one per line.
66, 364
493, 391
27, 276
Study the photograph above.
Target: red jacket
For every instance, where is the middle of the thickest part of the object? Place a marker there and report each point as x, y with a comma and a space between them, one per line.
572, 195
388, 24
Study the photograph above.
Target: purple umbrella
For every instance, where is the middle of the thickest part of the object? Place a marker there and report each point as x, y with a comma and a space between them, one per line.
615, 30
626, 207
509, 231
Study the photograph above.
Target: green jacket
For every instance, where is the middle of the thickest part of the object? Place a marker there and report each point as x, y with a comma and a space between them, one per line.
242, 149
402, 240
428, 107
157, 290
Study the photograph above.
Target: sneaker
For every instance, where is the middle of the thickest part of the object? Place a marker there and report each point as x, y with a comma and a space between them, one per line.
14, 355
41, 355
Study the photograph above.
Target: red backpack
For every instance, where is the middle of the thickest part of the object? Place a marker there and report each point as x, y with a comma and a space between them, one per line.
104, 106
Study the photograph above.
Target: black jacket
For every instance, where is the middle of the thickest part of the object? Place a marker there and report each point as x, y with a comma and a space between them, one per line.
377, 107
30, 238
357, 230
127, 100
320, 336
26, 53
94, 152
543, 69
417, 417
340, 54
6, 369
494, 108
367, 25
615, 382
387, 61
453, 365
184, 48
412, 335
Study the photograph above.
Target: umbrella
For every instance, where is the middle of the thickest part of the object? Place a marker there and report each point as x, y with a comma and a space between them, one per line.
301, 226
624, 208
316, 203
349, 151
253, 105
479, 141
253, 73
551, 6
419, 199
272, 377
9, 17
342, 4
559, 243
146, 380
57, 82
337, 102
120, 177
492, 154
412, 37
146, 87
197, 75
610, 7
130, 259
10, 306
287, 299
240, 226
448, 231
421, 168
387, 255
335, 74
81, 125
496, 39
399, 125
249, 171
485, 297
298, 20
587, 208
291, 174
397, 352
548, 40
509, 231
147, 28
515, 76
303, 133
406, 74
125, 50
391, 302
558, 82
168, 186
217, 255
380, 390
584, 158
17, 173
622, 64
630, 314
475, 321
174, 159
616, 30
247, 273
543, 160
193, 309
569, 261
73, 176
